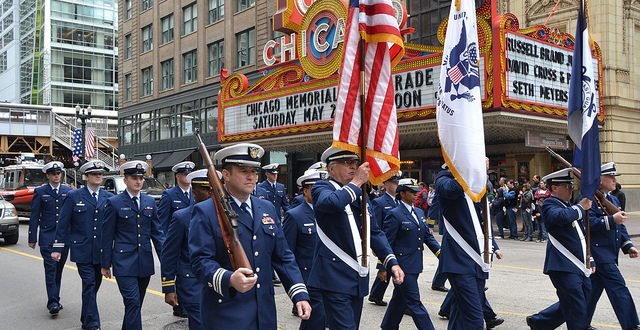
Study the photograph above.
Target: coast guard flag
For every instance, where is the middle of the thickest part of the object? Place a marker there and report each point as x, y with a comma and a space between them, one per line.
375, 21
583, 109
459, 106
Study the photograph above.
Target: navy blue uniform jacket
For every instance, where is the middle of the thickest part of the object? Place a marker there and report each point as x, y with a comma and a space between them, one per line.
558, 217
278, 196
127, 235
172, 199
607, 237
80, 225
406, 237
329, 272
453, 207
299, 227
176, 262
45, 210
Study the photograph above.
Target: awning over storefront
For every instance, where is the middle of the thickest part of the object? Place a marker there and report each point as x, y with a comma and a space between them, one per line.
168, 159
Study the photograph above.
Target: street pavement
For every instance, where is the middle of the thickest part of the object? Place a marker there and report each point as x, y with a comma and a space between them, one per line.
517, 288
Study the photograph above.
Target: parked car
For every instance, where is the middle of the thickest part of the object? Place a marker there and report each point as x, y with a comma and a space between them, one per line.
115, 184
8, 222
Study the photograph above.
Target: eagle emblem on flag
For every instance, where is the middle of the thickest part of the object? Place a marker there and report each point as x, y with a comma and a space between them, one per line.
462, 69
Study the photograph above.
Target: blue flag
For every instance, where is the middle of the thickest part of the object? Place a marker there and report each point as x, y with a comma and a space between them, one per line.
77, 144
583, 109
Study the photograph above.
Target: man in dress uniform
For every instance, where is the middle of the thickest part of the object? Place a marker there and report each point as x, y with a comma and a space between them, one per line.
130, 223
299, 227
608, 237
381, 207
45, 210
276, 192
407, 230
243, 298
320, 166
174, 199
179, 284
337, 271
461, 258
80, 229
565, 258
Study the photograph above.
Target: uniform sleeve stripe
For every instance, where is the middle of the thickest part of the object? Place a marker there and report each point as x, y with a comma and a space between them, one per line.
351, 192
579, 209
295, 289
387, 259
217, 280
606, 222
438, 252
626, 243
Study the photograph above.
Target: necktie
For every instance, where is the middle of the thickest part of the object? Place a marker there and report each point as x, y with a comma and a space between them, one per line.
415, 217
186, 194
245, 208
95, 195
55, 191
135, 202
608, 197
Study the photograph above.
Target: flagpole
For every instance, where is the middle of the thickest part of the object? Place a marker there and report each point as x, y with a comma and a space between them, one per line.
486, 227
587, 260
363, 158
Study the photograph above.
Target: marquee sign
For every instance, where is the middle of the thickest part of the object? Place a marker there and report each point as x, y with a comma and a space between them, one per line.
535, 68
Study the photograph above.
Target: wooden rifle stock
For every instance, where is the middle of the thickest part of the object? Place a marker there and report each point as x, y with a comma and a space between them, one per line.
227, 217
608, 207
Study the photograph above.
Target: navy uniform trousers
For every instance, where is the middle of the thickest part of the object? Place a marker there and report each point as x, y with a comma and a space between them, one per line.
45, 209
80, 229
572, 290
127, 232
381, 206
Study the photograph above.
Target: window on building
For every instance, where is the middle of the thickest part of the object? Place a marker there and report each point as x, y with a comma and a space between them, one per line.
3, 62
216, 10
147, 81
244, 4
127, 10
216, 57
77, 70
127, 46
425, 17
147, 38
167, 74
108, 71
167, 29
127, 88
146, 4
246, 47
190, 61
189, 18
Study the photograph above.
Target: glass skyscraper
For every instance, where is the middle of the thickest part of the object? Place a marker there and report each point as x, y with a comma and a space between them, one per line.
67, 54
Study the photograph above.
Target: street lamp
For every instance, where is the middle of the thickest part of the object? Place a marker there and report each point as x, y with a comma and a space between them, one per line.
83, 116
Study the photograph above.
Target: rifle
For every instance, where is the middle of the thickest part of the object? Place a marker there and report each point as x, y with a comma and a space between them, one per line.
608, 207
227, 217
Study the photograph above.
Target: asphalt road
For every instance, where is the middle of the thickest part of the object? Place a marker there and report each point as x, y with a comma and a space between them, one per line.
517, 288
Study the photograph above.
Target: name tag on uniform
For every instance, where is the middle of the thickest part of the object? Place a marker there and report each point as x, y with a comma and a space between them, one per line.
266, 220
387, 207
309, 224
46, 195
177, 201
125, 208
80, 204
406, 222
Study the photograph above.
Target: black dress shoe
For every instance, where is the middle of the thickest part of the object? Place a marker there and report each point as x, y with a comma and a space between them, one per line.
530, 323
378, 302
486, 288
594, 328
494, 322
94, 328
180, 314
439, 288
55, 309
443, 315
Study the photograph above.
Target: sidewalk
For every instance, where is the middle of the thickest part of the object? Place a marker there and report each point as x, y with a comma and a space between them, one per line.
633, 224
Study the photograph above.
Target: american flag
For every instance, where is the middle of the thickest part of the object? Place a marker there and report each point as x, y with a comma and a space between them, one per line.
77, 144
90, 144
375, 21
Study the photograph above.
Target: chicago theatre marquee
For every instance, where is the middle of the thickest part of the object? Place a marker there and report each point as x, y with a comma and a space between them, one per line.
525, 79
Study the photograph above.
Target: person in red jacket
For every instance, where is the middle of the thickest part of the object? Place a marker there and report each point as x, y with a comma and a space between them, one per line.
421, 201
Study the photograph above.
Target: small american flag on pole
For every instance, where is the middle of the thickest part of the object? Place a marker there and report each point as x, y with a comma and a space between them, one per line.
90, 144
77, 144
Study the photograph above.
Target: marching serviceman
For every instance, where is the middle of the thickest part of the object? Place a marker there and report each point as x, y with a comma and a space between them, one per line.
45, 210
320, 166
565, 259
80, 229
174, 199
407, 230
608, 237
337, 271
130, 223
461, 258
276, 192
381, 207
243, 299
299, 227
179, 284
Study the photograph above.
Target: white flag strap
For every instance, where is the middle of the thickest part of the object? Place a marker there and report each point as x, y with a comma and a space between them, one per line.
574, 260
465, 246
